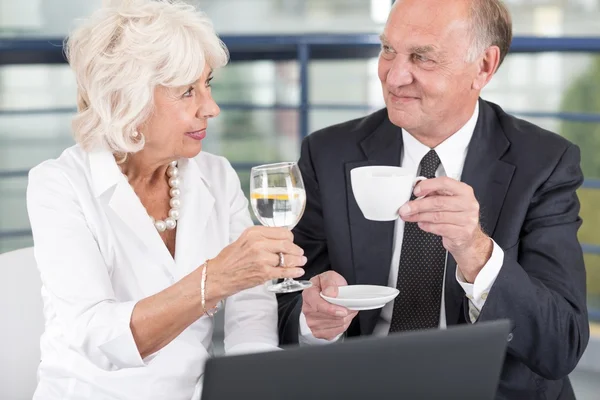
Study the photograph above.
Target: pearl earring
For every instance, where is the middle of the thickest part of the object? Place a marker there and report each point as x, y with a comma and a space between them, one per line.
135, 134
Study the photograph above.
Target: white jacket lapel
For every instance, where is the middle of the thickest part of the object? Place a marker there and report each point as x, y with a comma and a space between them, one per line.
194, 245
128, 208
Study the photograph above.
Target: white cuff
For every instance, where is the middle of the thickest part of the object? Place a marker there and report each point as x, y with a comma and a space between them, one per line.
248, 348
477, 292
305, 336
122, 350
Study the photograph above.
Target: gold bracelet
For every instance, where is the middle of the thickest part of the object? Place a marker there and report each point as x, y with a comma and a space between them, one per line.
213, 310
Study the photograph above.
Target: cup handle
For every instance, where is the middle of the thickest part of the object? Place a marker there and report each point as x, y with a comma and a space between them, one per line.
417, 180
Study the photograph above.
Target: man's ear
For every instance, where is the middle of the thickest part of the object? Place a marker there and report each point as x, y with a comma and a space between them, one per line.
487, 65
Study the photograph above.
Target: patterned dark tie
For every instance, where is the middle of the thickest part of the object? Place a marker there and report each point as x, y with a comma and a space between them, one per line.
421, 271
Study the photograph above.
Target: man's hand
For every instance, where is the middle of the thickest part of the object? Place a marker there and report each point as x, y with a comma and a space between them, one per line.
449, 209
325, 320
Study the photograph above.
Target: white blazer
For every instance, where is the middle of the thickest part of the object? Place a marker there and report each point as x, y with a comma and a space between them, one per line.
98, 254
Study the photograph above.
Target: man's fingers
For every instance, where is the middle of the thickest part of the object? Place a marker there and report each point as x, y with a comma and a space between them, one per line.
331, 278
435, 204
442, 217
331, 309
446, 185
444, 230
313, 303
331, 291
311, 295
316, 283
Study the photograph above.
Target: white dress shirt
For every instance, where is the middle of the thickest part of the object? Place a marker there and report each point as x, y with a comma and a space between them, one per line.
452, 153
99, 254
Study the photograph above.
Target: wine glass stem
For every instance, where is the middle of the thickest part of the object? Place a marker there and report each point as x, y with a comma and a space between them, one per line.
287, 281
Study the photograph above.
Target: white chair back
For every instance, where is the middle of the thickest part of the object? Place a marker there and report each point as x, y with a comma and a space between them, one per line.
21, 324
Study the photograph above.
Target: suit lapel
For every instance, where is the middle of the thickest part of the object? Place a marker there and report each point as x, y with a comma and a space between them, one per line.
372, 241
484, 171
489, 177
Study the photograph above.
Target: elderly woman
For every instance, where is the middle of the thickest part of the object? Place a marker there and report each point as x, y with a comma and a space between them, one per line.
139, 236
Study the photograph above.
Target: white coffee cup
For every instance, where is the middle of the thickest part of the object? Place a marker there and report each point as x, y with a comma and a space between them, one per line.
380, 191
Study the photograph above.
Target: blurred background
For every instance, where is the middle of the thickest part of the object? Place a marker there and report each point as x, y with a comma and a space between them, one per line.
297, 66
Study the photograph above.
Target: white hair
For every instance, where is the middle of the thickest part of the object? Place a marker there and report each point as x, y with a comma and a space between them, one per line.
491, 25
122, 53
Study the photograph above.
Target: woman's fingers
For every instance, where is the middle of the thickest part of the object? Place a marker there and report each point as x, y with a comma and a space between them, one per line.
285, 272
283, 246
290, 260
270, 233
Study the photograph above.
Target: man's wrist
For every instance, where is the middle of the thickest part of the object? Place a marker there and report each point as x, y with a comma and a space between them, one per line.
476, 258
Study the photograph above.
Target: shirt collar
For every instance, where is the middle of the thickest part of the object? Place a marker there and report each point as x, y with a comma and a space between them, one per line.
452, 151
106, 173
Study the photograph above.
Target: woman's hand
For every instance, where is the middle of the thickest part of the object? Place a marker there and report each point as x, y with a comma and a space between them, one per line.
252, 260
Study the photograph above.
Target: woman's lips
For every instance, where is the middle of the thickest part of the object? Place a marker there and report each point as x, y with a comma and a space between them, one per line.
197, 135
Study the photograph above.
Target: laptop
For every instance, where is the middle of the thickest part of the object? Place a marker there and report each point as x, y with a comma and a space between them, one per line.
462, 362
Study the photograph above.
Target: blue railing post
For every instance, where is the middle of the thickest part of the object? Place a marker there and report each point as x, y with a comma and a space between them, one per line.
303, 61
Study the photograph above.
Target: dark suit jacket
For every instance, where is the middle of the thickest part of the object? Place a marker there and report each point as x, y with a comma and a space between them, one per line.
525, 179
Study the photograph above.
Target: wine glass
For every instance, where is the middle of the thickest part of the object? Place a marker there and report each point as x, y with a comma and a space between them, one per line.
278, 199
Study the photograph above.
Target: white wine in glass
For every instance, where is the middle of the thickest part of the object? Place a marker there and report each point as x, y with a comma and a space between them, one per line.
278, 199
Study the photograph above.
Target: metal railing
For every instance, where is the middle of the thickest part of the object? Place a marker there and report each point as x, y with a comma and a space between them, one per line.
303, 49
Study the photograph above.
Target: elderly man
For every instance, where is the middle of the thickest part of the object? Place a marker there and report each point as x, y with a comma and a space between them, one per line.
500, 242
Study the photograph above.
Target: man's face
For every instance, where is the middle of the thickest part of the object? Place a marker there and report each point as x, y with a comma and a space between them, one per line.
425, 78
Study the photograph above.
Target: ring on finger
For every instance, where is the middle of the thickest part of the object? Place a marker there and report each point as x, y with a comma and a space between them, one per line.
281, 260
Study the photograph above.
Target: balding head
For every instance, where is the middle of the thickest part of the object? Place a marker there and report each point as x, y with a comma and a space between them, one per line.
490, 23
437, 56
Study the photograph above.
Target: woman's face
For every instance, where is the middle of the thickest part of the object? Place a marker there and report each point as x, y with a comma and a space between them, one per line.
178, 124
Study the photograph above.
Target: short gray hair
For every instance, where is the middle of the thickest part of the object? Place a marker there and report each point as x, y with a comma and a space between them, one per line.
122, 53
491, 25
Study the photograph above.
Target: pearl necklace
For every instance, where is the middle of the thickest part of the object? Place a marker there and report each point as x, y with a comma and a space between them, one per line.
174, 182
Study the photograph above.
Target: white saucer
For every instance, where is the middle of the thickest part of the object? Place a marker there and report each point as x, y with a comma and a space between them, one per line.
363, 297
